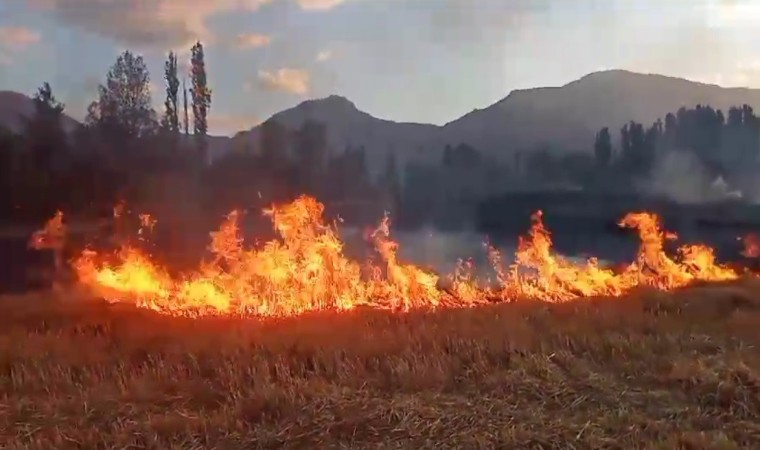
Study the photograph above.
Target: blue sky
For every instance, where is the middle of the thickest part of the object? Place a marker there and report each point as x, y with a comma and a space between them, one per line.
406, 60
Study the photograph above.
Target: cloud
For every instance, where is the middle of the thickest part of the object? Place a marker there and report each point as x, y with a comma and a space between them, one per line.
229, 124
246, 41
732, 13
324, 55
18, 38
155, 23
294, 81
744, 74
14, 40
319, 5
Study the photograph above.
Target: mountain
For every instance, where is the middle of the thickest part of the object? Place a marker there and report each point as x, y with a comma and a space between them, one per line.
347, 125
565, 117
569, 116
14, 107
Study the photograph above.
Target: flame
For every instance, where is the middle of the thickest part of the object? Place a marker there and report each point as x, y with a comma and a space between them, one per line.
305, 269
52, 236
751, 246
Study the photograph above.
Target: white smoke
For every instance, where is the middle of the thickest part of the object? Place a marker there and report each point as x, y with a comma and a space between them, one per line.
681, 177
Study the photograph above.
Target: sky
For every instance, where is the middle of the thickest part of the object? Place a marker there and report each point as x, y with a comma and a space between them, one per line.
425, 61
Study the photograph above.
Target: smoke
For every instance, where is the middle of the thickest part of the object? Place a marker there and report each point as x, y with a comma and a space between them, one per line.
683, 178
440, 251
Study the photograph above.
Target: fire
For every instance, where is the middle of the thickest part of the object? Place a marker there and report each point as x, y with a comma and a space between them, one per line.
751, 246
52, 236
305, 269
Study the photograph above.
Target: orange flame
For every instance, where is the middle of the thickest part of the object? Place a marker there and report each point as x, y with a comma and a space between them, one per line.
52, 236
305, 269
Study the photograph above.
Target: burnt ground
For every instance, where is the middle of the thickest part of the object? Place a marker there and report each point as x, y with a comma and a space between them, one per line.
651, 370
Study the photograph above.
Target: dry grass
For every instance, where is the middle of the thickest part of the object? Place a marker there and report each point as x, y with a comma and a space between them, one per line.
653, 371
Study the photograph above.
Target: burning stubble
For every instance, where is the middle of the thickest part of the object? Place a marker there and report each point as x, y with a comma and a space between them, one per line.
307, 269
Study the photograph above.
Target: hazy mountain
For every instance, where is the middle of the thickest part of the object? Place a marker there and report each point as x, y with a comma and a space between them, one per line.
14, 107
569, 116
347, 125
566, 117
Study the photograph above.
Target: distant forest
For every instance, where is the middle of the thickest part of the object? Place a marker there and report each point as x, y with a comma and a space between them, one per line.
127, 152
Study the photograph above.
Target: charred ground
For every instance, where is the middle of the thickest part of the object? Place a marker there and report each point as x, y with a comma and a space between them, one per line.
650, 370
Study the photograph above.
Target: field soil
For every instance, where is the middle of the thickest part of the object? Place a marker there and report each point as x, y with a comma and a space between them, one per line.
652, 370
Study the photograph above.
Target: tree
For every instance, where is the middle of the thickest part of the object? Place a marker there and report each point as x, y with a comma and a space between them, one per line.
311, 155
170, 121
603, 148
391, 184
124, 102
9, 143
184, 105
45, 103
44, 130
625, 142
201, 95
273, 142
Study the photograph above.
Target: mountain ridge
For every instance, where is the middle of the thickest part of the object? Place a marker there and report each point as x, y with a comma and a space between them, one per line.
564, 117
15, 106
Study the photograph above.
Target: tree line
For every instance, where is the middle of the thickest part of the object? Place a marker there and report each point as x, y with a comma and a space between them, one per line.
121, 142
125, 151
726, 146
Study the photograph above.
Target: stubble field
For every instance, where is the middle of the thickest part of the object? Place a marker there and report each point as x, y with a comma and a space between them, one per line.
651, 370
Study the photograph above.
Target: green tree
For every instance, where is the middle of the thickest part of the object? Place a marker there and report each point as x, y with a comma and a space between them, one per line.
201, 95
603, 148
124, 103
170, 121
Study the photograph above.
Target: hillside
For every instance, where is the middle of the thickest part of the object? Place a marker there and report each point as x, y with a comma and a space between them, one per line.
15, 106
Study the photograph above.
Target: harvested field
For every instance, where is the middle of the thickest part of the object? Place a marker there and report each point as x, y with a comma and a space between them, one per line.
650, 370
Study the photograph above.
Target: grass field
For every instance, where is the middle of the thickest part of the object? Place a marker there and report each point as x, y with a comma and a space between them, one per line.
654, 370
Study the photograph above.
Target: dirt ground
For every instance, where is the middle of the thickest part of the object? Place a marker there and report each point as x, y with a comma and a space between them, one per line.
650, 371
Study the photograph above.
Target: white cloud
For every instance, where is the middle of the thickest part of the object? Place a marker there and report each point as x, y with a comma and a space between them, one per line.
745, 74
324, 55
319, 5
733, 13
247, 41
294, 81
